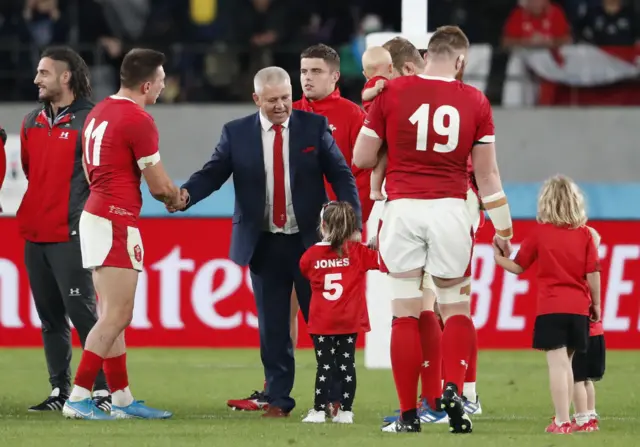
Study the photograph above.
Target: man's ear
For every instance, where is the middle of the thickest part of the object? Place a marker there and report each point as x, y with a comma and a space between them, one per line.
408, 69
335, 76
65, 77
256, 99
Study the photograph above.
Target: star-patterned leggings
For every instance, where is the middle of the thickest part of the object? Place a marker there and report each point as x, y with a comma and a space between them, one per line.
335, 351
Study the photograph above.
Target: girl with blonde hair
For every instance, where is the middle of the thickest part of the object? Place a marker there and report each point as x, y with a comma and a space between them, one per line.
568, 279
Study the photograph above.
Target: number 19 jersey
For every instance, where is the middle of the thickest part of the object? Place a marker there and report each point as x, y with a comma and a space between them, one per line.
119, 140
430, 125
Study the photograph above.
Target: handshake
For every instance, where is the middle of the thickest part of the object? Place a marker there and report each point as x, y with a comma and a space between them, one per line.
177, 201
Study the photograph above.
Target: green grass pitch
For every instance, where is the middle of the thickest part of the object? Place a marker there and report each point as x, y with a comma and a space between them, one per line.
195, 385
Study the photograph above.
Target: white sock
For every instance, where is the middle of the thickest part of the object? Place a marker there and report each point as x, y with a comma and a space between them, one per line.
100, 393
582, 418
78, 393
122, 398
559, 424
592, 414
469, 391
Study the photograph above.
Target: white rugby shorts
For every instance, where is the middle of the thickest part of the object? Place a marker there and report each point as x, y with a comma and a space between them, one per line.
473, 204
105, 243
435, 235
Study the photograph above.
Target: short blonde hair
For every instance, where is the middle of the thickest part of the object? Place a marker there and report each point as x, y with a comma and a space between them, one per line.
374, 57
448, 40
403, 51
561, 203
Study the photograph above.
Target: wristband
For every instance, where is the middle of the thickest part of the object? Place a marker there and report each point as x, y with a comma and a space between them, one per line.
497, 207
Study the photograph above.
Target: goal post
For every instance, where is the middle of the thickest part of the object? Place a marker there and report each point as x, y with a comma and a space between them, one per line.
414, 26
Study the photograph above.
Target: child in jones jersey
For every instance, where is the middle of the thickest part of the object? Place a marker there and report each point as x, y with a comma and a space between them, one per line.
336, 269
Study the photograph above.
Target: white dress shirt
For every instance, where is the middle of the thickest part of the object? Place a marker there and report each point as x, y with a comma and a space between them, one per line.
268, 138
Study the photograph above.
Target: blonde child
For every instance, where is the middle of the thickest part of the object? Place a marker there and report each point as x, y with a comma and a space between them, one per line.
568, 280
336, 269
588, 367
377, 68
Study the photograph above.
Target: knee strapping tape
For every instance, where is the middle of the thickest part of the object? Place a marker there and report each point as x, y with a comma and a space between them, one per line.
405, 288
456, 294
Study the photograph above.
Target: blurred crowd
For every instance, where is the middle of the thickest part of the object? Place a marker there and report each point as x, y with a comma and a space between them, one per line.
214, 46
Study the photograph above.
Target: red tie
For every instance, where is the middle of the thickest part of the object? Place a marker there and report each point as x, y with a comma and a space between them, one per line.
279, 196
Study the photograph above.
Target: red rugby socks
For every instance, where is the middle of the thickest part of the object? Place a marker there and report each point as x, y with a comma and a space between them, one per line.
431, 371
406, 360
88, 369
458, 342
115, 370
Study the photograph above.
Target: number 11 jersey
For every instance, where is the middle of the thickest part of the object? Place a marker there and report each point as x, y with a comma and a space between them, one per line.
430, 125
119, 140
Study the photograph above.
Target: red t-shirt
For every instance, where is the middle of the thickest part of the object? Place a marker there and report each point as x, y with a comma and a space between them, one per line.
523, 25
338, 286
430, 125
370, 84
345, 120
120, 138
565, 256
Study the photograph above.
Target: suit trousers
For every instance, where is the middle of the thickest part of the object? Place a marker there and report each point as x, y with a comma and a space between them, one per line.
274, 271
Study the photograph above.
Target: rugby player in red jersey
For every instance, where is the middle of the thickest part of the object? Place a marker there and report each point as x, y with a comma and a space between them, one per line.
120, 141
432, 123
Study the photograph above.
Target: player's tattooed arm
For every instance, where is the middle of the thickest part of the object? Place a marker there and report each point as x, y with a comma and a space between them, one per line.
494, 200
160, 184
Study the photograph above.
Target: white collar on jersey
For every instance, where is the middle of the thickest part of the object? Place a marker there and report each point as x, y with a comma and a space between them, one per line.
122, 98
323, 243
436, 78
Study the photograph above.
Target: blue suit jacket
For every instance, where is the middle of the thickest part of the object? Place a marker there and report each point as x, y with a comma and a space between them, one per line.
313, 153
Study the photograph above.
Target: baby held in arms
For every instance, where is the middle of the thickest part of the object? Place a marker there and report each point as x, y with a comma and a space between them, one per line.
377, 68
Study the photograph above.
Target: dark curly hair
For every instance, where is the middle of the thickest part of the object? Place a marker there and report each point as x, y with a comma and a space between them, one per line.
79, 83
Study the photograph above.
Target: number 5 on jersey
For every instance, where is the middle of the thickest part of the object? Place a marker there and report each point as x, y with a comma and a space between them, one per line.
450, 130
95, 135
332, 287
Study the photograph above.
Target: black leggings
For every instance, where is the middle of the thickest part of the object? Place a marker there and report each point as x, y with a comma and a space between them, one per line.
336, 357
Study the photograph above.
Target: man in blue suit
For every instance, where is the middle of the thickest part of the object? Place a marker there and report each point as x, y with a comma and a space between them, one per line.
278, 159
